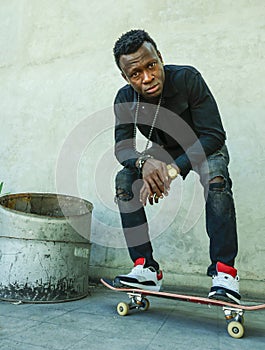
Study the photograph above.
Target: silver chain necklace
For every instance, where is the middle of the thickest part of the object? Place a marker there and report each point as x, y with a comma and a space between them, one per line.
152, 126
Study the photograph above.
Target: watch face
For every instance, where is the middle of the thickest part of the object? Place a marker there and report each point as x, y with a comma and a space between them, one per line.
172, 172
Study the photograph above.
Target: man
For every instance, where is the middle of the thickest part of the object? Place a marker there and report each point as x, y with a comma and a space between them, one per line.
174, 109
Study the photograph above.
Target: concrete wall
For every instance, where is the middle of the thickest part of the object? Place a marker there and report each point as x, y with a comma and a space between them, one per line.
58, 81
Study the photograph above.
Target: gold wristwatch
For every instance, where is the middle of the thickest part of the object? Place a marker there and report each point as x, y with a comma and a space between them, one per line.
172, 172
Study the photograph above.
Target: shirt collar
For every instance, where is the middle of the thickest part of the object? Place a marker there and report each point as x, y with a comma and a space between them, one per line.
169, 89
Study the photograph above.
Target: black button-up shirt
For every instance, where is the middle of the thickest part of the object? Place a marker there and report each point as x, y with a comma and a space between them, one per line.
188, 127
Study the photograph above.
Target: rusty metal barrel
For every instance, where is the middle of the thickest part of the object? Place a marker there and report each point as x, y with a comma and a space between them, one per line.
44, 247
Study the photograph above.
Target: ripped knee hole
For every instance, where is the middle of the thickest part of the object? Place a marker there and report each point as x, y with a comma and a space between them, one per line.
217, 179
123, 195
218, 183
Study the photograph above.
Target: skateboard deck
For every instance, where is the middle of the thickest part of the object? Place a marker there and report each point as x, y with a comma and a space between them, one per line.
234, 313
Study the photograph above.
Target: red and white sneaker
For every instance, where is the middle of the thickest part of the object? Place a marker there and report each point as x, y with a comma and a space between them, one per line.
225, 284
141, 277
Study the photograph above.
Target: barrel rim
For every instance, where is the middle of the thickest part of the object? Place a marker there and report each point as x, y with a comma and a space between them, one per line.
88, 204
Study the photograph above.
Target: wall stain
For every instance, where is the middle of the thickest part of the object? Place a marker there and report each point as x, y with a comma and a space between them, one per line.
63, 289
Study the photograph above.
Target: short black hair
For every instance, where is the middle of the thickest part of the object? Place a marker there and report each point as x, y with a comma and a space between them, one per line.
130, 42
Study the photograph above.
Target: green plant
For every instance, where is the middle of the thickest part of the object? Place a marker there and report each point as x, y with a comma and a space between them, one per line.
1, 186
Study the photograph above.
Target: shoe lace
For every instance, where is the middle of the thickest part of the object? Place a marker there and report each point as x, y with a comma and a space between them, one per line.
226, 278
140, 269
137, 269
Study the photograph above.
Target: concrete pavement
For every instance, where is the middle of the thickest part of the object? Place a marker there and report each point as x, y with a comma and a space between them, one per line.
93, 323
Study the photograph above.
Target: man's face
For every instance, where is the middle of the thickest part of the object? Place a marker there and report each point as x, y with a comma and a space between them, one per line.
144, 70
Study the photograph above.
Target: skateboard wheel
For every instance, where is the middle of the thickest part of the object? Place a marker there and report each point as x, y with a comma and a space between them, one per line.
235, 329
145, 304
122, 309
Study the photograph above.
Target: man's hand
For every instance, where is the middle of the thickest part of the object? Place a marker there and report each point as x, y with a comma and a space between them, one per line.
145, 194
156, 181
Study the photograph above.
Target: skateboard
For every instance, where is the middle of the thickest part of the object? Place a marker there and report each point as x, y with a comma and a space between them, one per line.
234, 313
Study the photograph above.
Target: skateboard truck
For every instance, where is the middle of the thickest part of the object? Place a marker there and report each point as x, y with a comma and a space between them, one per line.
235, 320
137, 301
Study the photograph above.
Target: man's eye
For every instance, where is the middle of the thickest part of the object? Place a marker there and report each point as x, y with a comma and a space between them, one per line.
134, 75
151, 65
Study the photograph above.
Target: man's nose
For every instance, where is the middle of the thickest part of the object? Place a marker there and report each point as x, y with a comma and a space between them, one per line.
147, 77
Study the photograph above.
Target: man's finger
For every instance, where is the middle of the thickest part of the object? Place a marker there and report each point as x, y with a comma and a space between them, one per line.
144, 193
156, 185
151, 201
156, 198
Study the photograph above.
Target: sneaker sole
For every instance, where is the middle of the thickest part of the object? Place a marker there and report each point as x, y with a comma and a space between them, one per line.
223, 296
141, 286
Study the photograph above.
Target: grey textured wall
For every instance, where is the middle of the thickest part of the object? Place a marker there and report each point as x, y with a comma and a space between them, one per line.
58, 81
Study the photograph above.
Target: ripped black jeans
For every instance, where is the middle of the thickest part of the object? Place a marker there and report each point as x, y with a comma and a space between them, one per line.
220, 212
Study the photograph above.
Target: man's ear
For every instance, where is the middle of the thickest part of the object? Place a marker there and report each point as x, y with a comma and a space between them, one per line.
160, 56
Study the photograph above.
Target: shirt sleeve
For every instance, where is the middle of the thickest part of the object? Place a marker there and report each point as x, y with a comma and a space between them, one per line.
124, 132
207, 124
